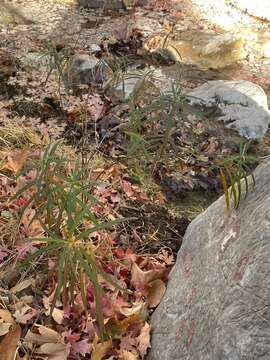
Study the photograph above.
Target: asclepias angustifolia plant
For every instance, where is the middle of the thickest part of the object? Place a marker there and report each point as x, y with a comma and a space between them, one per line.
62, 204
235, 171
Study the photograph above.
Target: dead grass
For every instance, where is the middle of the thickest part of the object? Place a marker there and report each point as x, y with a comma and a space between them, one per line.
13, 133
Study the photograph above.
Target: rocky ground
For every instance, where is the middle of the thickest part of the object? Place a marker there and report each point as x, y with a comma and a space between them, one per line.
114, 84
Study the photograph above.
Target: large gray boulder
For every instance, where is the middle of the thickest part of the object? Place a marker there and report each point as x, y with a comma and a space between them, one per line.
242, 105
217, 304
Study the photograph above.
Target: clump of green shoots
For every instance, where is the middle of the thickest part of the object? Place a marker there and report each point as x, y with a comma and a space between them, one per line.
62, 203
234, 173
58, 61
159, 119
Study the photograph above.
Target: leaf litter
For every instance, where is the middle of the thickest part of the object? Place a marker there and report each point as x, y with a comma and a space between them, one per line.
35, 110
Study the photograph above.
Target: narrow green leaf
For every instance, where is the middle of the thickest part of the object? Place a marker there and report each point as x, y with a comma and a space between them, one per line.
233, 190
60, 278
98, 292
101, 226
225, 189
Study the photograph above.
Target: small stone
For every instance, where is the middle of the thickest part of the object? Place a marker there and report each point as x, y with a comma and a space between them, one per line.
81, 69
135, 85
85, 69
95, 48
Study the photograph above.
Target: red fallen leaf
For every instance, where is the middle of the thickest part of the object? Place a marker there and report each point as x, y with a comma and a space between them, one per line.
133, 192
119, 303
107, 307
127, 343
119, 253
81, 347
21, 202
71, 337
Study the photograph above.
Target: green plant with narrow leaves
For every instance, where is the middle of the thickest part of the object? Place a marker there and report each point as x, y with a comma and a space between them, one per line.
234, 173
62, 205
151, 126
58, 61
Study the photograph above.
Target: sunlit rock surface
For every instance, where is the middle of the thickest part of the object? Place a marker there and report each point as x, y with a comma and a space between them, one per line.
242, 105
206, 49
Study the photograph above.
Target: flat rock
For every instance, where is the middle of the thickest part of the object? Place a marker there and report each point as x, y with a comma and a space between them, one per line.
203, 49
135, 85
216, 306
143, 86
242, 105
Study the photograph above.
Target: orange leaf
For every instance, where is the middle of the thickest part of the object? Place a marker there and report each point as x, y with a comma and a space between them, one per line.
155, 293
16, 160
128, 355
9, 345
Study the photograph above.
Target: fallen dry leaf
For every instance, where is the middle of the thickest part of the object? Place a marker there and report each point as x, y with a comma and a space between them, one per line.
81, 347
4, 328
155, 293
51, 343
58, 315
16, 160
46, 335
24, 314
6, 316
6, 320
54, 349
128, 355
142, 278
100, 349
143, 340
21, 286
8, 346
140, 309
